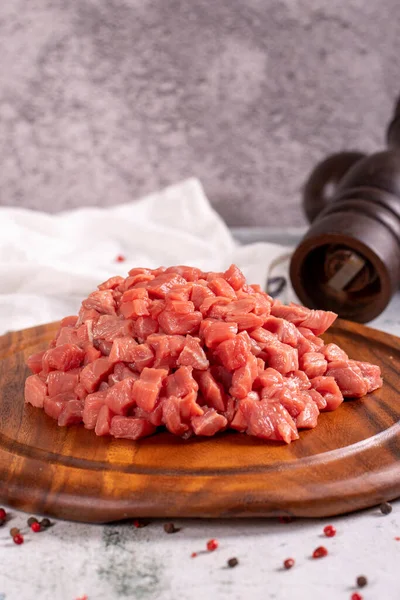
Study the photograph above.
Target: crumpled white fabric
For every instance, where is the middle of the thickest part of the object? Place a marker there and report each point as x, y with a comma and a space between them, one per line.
49, 263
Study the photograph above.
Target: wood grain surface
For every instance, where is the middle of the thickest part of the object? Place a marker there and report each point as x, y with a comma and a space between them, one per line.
349, 462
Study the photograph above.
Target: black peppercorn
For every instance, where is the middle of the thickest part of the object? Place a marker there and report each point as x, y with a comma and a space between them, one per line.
31, 521
386, 508
233, 562
45, 523
361, 581
170, 528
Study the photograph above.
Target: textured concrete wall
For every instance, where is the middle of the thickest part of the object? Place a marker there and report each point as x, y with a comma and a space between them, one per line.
102, 101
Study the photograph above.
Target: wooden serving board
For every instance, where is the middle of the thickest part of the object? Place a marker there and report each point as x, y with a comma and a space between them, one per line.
349, 462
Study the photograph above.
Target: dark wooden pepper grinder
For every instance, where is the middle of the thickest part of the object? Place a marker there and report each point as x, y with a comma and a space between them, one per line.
349, 260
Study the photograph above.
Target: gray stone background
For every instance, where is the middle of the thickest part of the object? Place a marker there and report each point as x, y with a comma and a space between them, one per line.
102, 101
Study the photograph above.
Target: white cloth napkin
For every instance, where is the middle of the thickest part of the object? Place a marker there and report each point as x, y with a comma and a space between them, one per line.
49, 263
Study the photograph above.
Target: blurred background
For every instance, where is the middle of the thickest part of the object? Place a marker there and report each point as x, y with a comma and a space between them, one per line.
102, 101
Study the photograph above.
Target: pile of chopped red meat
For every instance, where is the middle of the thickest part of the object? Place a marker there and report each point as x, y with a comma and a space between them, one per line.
197, 353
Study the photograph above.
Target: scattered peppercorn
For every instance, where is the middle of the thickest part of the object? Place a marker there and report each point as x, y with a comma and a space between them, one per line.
233, 562
289, 563
212, 545
139, 523
31, 521
320, 552
386, 508
2, 521
285, 519
36, 527
45, 523
18, 539
170, 528
362, 581
330, 531
120, 258
193, 555
356, 596
3, 514
14, 531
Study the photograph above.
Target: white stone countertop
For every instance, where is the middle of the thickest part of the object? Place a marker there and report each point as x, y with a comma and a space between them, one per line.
117, 562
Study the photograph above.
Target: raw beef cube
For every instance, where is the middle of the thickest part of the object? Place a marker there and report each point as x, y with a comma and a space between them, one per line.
167, 349
209, 305
35, 362
147, 389
91, 409
94, 373
135, 309
333, 352
109, 327
193, 355
80, 391
139, 280
235, 277
103, 347
161, 285
130, 428
298, 380
123, 350
64, 358
59, 382
215, 332
188, 273
234, 353
155, 417
181, 292
144, 326
91, 354
53, 407
85, 333
178, 324
103, 424
245, 321
319, 321
71, 413
70, 321
329, 390
209, 423
180, 307
286, 332
317, 344
199, 293
319, 400
282, 357
143, 357
181, 382
67, 335
348, 377
243, 378
156, 308
221, 287
111, 283
102, 301
371, 374
293, 313
119, 396
308, 417
313, 364
35, 391
212, 391
241, 307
